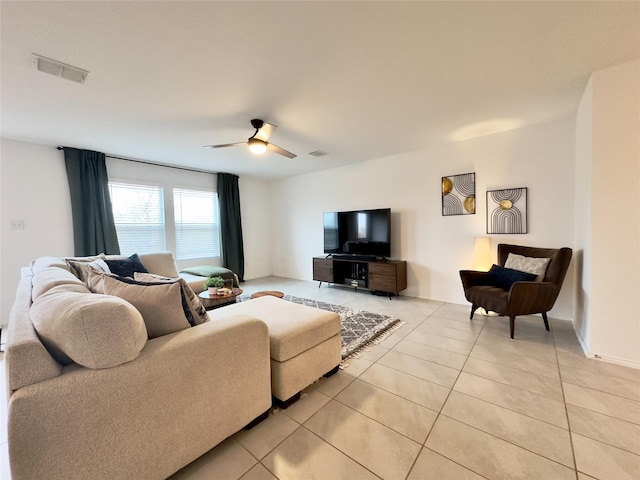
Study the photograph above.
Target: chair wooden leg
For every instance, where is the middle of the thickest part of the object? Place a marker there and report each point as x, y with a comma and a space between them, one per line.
473, 310
546, 320
512, 325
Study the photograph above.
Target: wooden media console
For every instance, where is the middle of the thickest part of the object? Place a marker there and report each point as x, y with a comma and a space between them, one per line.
387, 276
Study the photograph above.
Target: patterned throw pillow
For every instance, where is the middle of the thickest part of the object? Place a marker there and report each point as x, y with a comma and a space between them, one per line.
193, 308
81, 268
159, 303
537, 266
126, 267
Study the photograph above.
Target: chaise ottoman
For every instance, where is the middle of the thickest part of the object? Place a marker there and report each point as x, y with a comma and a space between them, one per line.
305, 342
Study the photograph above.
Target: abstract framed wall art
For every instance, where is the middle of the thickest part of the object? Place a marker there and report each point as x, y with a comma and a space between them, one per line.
459, 194
507, 211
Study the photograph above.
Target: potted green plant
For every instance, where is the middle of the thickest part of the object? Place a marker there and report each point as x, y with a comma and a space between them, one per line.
213, 284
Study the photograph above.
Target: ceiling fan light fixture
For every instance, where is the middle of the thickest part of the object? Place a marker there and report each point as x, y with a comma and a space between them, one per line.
258, 143
257, 146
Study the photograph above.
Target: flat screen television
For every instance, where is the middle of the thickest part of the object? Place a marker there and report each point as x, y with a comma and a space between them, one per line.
362, 233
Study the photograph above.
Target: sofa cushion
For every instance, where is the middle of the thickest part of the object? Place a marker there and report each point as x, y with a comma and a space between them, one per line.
80, 268
126, 267
192, 306
95, 331
491, 298
502, 277
536, 265
161, 263
159, 303
48, 277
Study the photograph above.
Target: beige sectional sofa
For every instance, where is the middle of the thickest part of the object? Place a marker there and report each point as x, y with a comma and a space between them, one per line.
91, 397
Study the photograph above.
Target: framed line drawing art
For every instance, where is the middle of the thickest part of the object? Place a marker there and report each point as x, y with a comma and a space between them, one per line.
459, 194
507, 211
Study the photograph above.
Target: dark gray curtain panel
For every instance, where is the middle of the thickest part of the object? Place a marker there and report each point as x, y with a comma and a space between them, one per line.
94, 230
232, 249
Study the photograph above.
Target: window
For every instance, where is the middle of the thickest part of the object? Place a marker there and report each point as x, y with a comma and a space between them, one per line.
331, 237
362, 225
196, 223
184, 218
144, 222
138, 211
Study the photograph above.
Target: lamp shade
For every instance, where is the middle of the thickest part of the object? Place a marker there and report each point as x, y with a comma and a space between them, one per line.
482, 253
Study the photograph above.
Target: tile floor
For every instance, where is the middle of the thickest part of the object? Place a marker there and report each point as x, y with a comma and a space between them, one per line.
440, 398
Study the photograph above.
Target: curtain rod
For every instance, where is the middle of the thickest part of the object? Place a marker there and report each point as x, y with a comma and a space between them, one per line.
146, 162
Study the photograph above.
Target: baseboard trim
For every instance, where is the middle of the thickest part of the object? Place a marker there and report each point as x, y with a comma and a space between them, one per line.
616, 360
604, 358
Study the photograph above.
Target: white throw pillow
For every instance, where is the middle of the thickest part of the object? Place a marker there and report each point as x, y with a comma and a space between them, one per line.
535, 265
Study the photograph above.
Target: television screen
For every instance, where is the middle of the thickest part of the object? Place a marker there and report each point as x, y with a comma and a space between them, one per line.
360, 232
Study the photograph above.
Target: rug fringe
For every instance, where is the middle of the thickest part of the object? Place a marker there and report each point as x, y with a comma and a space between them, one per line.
370, 344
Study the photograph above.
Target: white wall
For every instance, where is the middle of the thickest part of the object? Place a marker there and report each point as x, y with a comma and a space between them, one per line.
583, 253
539, 157
255, 201
34, 188
611, 326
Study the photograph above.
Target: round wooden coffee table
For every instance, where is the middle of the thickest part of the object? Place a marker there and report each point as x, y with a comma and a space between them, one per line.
213, 301
264, 293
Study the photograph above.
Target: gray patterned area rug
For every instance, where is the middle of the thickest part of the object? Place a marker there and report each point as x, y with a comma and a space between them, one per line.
359, 328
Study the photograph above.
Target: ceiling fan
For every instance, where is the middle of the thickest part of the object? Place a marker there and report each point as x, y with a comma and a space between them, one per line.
259, 141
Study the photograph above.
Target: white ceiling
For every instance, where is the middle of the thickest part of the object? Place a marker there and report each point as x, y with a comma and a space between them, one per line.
359, 80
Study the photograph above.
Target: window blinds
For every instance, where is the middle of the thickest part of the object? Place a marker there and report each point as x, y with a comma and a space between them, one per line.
138, 212
196, 224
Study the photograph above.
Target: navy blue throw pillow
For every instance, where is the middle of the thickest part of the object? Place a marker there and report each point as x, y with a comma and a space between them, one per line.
502, 277
126, 267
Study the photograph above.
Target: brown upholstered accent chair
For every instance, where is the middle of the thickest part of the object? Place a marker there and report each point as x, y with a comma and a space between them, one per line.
523, 297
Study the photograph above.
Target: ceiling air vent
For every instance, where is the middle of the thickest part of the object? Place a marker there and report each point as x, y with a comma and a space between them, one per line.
59, 69
318, 153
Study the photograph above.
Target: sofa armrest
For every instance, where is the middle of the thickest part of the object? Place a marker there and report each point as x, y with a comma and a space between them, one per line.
185, 393
531, 297
473, 278
27, 360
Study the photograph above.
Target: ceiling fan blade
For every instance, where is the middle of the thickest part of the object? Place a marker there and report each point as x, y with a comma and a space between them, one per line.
276, 149
223, 145
265, 131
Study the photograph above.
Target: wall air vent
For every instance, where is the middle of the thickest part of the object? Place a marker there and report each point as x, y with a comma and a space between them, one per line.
318, 153
59, 69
